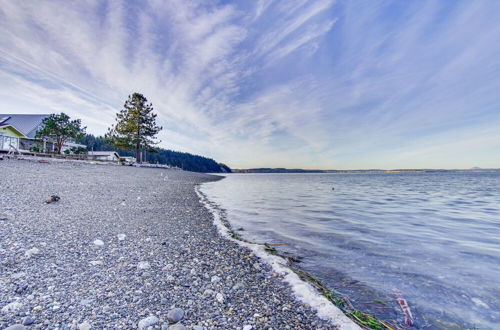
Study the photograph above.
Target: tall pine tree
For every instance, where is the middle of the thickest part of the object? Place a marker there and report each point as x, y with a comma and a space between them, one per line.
135, 127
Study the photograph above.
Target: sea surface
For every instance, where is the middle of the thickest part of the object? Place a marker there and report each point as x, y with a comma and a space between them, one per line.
433, 237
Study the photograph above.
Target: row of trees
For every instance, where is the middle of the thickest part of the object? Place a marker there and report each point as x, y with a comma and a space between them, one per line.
135, 128
134, 132
183, 160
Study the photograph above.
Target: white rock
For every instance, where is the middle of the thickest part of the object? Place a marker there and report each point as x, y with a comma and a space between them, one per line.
143, 265
220, 298
98, 242
31, 252
215, 279
256, 266
121, 237
84, 326
148, 322
12, 307
208, 292
247, 327
96, 262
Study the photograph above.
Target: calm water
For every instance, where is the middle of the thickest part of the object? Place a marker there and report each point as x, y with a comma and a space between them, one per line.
435, 237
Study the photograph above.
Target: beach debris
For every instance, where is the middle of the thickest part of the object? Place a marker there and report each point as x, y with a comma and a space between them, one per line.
96, 262
175, 315
408, 317
52, 199
3, 217
215, 279
148, 322
98, 242
121, 237
31, 252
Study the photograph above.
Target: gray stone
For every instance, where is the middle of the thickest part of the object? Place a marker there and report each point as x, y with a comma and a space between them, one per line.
175, 315
16, 327
177, 326
28, 321
13, 307
143, 265
84, 326
148, 322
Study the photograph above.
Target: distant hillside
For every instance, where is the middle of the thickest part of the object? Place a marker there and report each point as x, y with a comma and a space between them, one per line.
183, 160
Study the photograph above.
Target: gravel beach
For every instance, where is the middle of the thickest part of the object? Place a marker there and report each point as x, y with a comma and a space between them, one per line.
127, 247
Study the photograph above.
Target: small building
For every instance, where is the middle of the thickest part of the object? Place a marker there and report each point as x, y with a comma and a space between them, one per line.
9, 137
111, 156
19, 131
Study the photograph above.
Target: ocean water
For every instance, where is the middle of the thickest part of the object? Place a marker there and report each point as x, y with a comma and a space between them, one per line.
433, 237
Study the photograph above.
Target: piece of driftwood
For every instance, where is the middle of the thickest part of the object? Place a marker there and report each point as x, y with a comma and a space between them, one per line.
52, 199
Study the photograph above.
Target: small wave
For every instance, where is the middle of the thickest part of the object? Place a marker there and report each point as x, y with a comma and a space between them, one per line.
302, 290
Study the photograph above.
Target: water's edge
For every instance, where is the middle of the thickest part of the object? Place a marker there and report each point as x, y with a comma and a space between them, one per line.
303, 291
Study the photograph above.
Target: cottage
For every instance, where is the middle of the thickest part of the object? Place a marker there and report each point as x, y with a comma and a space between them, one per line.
18, 132
9, 137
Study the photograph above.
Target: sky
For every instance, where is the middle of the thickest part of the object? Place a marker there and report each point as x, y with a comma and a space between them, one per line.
317, 84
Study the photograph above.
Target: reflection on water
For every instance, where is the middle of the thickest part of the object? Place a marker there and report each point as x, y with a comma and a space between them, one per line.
434, 236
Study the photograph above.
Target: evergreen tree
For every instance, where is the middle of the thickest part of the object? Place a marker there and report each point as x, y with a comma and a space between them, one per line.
135, 127
59, 128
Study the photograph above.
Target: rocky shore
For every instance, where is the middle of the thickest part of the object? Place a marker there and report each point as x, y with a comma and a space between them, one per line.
126, 248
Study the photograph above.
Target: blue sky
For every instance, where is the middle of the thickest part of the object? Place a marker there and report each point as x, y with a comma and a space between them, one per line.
295, 83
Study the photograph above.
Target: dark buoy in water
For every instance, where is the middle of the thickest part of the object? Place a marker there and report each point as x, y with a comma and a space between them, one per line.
333, 188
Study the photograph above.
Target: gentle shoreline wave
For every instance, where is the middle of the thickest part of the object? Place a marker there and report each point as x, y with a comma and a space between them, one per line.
302, 290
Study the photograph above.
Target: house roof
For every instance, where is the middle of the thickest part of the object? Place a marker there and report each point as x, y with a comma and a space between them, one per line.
11, 127
26, 124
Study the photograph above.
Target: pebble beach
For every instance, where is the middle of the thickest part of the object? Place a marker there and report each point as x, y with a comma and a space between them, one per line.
128, 248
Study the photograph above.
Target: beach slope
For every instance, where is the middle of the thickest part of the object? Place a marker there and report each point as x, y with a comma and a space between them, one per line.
127, 247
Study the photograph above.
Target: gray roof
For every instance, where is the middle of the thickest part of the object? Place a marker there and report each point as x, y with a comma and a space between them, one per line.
26, 124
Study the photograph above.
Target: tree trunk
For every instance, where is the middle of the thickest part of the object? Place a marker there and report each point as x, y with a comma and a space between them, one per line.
138, 154
59, 145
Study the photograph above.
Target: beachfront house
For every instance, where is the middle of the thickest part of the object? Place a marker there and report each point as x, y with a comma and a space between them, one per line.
18, 132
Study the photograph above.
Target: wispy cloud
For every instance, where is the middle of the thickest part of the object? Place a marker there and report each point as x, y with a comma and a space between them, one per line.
296, 83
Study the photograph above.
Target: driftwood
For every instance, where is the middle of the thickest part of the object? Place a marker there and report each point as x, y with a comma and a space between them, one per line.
52, 199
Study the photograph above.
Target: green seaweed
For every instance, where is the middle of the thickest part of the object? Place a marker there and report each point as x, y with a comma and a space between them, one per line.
363, 319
